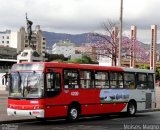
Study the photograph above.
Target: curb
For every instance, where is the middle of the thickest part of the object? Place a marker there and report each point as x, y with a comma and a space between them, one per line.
154, 110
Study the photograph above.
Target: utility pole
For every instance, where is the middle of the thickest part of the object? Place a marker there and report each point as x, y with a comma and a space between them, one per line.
114, 39
153, 48
133, 40
120, 34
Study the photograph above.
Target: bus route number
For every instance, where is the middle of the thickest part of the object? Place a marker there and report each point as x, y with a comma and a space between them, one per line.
74, 93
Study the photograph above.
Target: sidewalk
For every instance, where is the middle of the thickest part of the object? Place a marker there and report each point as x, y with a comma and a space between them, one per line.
2, 88
3, 92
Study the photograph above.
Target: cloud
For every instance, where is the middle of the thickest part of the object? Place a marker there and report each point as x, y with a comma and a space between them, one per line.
76, 16
142, 14
70, 14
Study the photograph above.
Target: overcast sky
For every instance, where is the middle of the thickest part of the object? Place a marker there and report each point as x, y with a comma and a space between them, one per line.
79, 16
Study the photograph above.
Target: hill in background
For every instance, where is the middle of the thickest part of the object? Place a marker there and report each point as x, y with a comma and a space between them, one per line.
78, 39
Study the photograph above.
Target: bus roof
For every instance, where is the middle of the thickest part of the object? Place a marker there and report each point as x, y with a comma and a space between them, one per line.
89, 66
137, 70
81, 66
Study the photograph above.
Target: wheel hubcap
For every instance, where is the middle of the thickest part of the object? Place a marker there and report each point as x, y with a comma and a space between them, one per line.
132, 109
74, 113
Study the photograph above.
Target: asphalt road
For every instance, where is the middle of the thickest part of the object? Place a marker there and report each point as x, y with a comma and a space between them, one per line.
142, 121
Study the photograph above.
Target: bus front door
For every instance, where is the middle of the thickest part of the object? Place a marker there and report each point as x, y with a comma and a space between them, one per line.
53, 89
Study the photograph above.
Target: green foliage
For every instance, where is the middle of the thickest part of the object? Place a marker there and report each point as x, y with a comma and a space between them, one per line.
55, 57
83, 60
157, 73
60, 58
144, 66
35, 53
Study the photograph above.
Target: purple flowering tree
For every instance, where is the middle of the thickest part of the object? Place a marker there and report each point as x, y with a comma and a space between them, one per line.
107, 45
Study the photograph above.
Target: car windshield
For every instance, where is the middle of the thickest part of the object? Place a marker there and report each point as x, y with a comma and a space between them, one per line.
26, 84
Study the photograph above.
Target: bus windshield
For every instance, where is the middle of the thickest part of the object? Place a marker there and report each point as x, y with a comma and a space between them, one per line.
26, 84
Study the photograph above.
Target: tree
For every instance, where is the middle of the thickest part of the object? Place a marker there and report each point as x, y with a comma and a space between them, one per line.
141, 54
157, 73
144, 66
108, 44
55, 57
83, 60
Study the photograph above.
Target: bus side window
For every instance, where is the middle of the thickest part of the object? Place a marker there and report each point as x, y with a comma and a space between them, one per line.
129, 80
142, 80
120, 80
48, 80
57, 83
116, 80
71, 78
150, 81
53, 81
86, 79
101, 80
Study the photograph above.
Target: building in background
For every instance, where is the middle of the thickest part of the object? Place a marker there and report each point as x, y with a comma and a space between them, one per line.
8, 38
38, 42
63, 47
13, 39
8, 51
87, 50
8, 57
5, 38
49, 50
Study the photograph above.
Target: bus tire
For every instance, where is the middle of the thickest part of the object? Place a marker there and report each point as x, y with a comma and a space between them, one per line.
131, 108
73, 113
41, 119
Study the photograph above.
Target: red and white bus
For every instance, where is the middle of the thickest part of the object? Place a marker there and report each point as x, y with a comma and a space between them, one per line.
52, 89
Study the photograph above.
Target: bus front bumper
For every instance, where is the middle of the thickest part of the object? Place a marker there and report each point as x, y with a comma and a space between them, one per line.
33, 113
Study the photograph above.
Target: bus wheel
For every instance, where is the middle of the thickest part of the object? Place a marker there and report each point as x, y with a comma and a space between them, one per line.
73, 113
41, 119
131, 108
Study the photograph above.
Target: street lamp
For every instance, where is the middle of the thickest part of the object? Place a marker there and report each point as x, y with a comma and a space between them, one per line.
120, 34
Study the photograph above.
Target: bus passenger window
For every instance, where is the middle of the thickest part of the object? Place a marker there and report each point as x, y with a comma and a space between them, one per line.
116, 80
48, 78
71, 79
53, 84
129, 80
86, 79
142, 81
120, 80
101, 80
150, 81
53, 81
